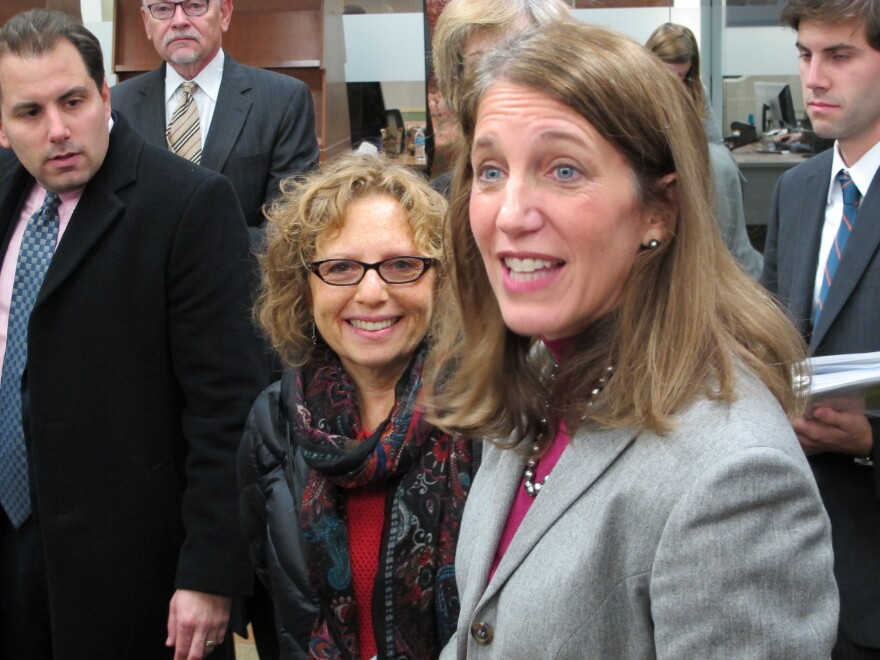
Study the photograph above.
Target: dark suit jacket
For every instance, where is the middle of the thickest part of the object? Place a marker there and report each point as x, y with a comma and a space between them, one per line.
849, 323
263, 128
142, 367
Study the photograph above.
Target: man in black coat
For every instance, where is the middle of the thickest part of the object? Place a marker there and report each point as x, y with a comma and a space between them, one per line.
141, 367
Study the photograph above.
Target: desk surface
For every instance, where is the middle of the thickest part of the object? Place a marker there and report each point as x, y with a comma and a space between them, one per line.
761, 172
749, 155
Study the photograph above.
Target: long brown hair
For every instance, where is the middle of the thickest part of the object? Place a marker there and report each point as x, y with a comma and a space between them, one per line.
688, 313
676, 44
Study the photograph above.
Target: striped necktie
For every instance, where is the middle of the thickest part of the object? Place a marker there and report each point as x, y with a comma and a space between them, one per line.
34, 256
184, 134
851, 200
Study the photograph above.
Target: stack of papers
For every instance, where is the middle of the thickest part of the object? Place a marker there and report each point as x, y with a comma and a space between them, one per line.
846, 382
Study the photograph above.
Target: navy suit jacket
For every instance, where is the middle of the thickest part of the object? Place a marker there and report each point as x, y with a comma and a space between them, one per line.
849, 323
262, 131
142, 366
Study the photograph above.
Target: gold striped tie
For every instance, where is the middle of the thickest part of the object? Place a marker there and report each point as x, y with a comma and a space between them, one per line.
184, 132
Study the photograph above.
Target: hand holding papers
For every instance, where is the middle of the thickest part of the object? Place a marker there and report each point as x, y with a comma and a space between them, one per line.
848, 382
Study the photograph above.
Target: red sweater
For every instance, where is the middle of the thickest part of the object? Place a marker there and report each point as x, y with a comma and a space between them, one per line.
365, 520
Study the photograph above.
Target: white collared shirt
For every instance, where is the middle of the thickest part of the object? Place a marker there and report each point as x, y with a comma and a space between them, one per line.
208, 80
862, 174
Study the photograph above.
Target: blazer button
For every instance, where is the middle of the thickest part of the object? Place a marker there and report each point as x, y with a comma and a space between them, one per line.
482, 632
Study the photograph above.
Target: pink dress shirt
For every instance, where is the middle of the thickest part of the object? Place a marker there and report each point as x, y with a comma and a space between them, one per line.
10, 260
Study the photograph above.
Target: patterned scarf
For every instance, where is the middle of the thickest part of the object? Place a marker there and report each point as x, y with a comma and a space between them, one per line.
428, 474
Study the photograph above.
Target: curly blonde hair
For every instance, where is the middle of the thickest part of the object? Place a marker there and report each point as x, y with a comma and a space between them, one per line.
310, 209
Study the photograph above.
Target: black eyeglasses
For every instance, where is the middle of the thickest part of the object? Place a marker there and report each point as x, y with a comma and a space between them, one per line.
162, 11
348, 272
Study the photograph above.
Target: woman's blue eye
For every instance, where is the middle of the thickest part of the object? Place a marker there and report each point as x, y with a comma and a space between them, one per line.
565, 172
490, 173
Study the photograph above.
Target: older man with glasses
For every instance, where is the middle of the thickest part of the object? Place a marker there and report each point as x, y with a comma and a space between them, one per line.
252, 125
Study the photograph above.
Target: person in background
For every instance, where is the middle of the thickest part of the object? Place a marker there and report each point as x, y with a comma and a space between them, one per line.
351, 502
645, 495
823, 242
677, 46
729, 210
254, 126
466, 29
129, 364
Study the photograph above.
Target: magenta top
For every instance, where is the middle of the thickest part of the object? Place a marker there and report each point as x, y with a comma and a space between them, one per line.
523, 501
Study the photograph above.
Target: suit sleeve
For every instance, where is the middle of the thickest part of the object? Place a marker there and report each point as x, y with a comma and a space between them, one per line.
220, 370
744, 565
296, 145
875, 454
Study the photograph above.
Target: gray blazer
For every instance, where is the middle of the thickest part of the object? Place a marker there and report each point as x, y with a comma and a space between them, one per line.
850, 323
263, 128
710, 542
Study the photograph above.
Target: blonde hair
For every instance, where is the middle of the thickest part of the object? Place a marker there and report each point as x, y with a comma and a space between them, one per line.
688, 313
676, 44
462, 19
313, 207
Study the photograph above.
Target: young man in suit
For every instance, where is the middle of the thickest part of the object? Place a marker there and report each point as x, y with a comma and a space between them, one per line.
129, 366
822, 259
255, 126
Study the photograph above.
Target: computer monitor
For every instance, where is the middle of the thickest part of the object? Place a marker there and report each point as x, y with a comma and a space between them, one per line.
775, 107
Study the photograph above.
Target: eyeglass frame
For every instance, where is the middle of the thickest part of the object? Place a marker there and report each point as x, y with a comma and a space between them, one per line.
181, 4
427, 262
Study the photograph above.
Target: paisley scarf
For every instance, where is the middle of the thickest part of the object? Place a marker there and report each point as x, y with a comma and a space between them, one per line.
427, 475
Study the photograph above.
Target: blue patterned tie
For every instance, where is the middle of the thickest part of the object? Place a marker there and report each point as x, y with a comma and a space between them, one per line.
851, 200
37, 247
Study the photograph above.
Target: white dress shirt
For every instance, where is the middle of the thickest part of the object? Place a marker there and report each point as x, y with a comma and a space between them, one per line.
205, 96
862, 174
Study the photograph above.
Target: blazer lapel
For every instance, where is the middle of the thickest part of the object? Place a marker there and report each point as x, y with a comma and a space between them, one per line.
504, 468
582, 463
860, 250
233, 106
808, 218
98, 208
149, 114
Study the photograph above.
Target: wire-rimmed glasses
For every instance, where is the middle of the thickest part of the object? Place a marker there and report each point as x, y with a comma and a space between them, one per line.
162, 11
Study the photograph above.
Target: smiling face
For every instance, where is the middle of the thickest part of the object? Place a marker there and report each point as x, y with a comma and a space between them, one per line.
554, 212
840, 73
54, 116
374, 327
188, 43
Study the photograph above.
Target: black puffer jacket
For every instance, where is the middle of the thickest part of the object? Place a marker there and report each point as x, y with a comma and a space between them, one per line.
272, 477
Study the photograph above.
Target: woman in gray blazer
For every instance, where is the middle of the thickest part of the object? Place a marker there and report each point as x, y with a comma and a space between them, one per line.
650, 499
